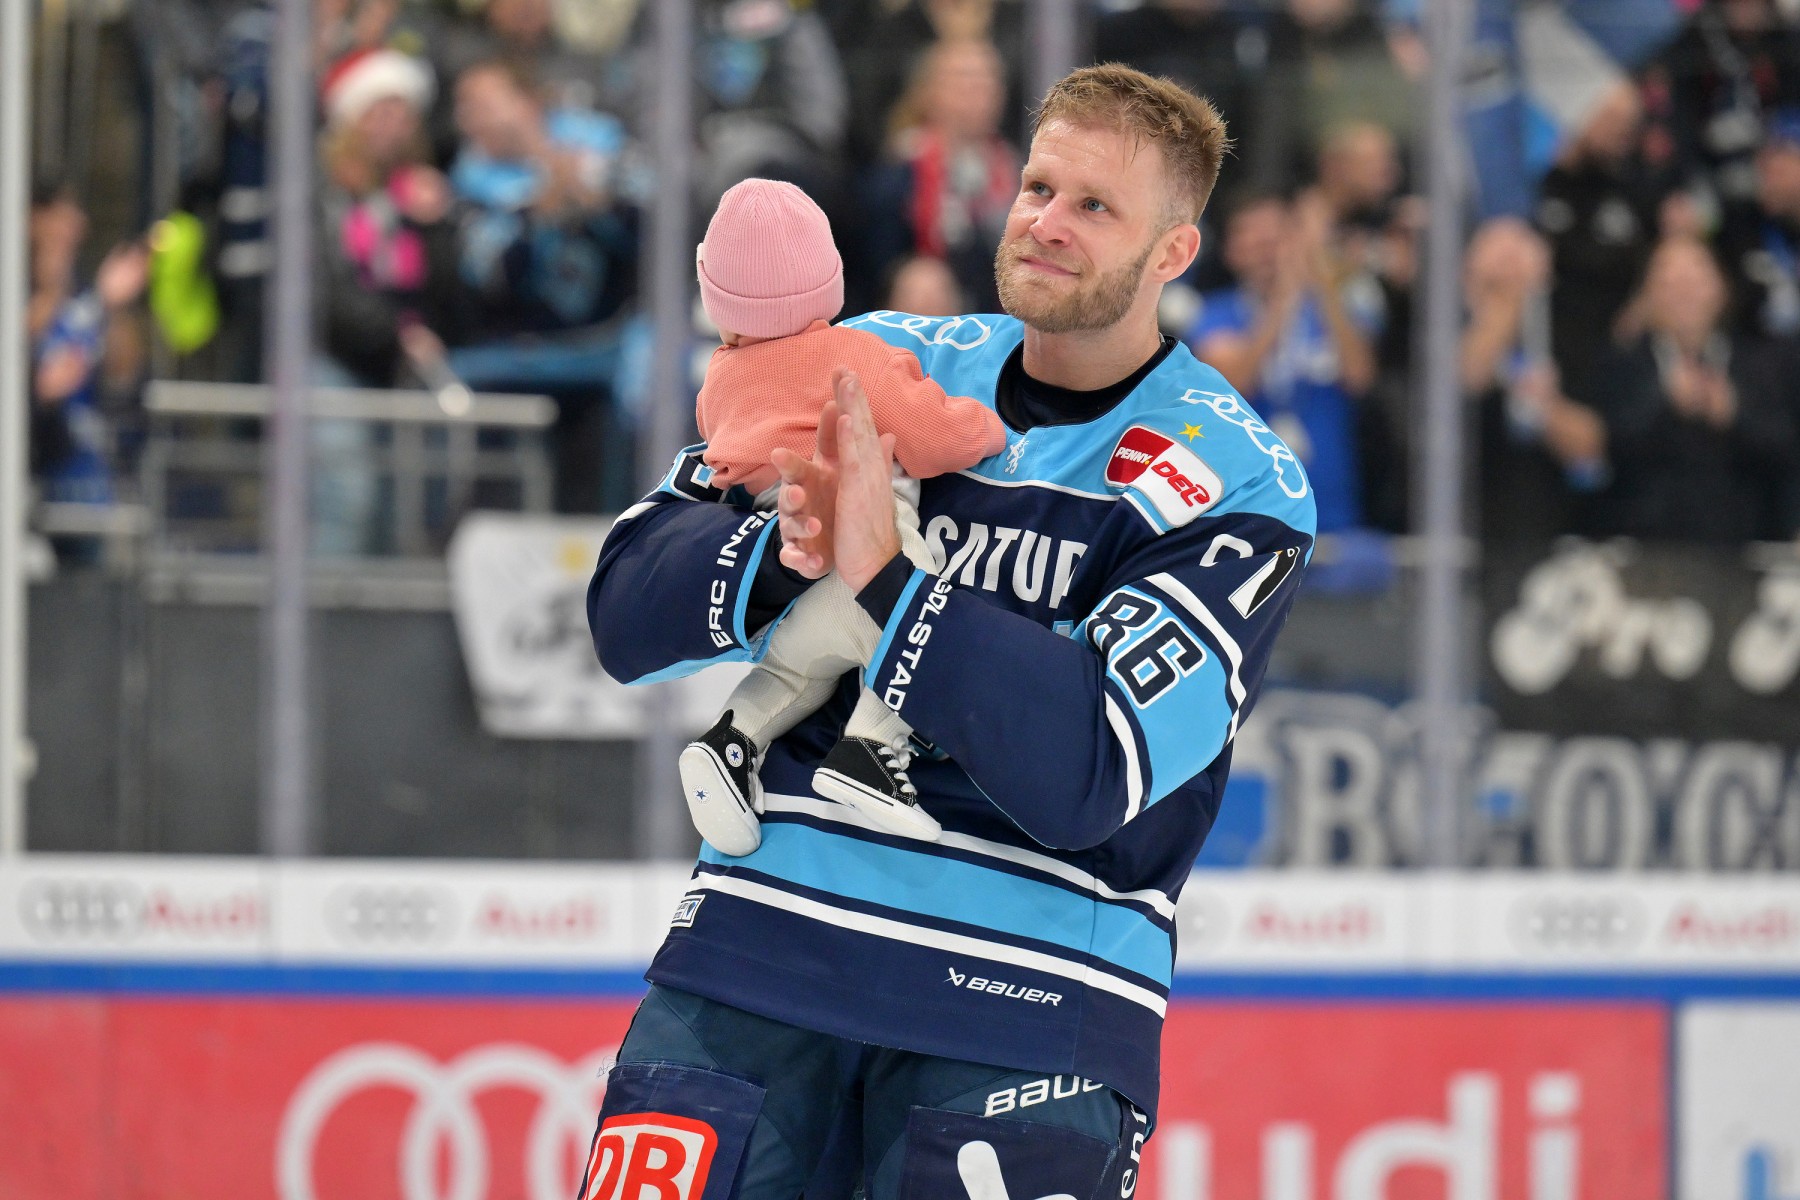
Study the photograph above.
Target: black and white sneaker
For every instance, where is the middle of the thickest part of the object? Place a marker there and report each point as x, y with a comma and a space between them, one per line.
870, 776
724, 796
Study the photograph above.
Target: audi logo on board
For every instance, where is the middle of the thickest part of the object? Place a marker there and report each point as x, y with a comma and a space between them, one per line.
1577, 923
64, 909
443, 1149
389, 915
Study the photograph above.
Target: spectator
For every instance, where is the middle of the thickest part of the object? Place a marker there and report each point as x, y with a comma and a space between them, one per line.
1333, 64
80, 352
885, 57
925, 287
1292, 342
1539, 451
1218, 51
1709, 92
388, 250
1700, 426
1600, 214
545, 245
386, 270
523, 34
771, 102
1760, 241
952, 178
1375, 232
551, 255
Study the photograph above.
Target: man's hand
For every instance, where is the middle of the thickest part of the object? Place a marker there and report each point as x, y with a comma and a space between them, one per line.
807, 505
865, 538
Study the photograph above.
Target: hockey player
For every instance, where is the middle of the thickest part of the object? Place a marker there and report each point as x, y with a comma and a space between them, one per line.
980, 1015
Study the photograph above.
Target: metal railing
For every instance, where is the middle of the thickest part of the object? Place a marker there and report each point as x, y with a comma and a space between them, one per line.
423, 444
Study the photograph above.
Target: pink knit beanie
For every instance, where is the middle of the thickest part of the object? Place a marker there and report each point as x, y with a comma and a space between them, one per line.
768, 267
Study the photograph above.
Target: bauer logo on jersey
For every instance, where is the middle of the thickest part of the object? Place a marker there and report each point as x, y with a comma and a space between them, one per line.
1164, 472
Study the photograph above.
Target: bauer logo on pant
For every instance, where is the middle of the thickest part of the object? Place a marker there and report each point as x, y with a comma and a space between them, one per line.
649, 1154
1163, 471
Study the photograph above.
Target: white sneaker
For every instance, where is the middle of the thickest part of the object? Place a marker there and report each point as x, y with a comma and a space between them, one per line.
724, 796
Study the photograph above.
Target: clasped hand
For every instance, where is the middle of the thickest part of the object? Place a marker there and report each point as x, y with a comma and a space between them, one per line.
837, 508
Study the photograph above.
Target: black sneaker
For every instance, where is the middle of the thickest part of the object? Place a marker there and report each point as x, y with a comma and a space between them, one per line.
718, 777
870, 776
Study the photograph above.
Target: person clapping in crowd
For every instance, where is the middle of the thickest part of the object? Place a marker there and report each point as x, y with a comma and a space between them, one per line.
1292, 340
545, 244
1540, 453
1598, 208
550, 252
1700, 424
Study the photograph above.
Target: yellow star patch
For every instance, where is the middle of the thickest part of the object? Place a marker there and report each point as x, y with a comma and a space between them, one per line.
1190, 432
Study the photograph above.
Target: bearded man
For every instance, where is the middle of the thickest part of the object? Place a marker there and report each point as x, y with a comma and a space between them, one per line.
978, 1015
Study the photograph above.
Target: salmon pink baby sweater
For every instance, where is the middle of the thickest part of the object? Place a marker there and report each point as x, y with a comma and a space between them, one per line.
770, 393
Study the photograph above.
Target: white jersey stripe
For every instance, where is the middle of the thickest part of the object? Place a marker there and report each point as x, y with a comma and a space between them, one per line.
1234, 655
1039, 483
956, 943
843, 814
636, 510
1134, 773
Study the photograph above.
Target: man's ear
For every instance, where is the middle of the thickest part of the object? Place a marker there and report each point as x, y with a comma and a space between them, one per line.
1180, 246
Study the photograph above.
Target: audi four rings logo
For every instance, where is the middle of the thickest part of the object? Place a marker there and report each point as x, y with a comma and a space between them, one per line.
388, 914
60, 909
444, 1120
1578, 923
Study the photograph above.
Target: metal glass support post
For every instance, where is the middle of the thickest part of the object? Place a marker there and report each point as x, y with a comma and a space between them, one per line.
15, 157
286, 796
661, 826
1054, 32
1440, 657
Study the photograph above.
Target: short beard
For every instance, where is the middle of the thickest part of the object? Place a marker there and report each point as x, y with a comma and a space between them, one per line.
1100, 304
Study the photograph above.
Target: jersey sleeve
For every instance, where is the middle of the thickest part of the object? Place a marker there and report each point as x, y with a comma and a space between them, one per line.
933, 432
686, 580
1074, 734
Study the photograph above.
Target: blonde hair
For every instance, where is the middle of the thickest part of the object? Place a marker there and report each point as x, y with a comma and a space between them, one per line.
1185, 127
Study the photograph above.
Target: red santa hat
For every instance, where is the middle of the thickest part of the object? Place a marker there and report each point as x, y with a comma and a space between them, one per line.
359, 79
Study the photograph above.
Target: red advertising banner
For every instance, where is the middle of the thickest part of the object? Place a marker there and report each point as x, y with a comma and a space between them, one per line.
314, 1099
1387, 1101
490, 1099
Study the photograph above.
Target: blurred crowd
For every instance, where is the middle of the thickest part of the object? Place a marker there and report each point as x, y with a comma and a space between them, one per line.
1631, 346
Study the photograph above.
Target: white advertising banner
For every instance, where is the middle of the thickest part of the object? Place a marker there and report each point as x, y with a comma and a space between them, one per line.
519, 590
1678, 922
475, 913
614, 915
1276, 920
1738, 1101
97, 906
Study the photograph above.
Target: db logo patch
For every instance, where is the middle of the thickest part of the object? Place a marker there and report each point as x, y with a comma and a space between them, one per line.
650, 1154
1166, 473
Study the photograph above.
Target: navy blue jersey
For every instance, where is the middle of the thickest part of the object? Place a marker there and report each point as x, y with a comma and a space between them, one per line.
1098, 632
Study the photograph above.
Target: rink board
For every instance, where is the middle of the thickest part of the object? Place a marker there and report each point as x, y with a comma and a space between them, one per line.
371, 1030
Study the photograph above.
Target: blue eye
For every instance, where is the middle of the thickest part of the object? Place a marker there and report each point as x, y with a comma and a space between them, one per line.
1093, 205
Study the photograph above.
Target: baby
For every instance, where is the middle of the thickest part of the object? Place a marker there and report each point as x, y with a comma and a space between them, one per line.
771, 280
